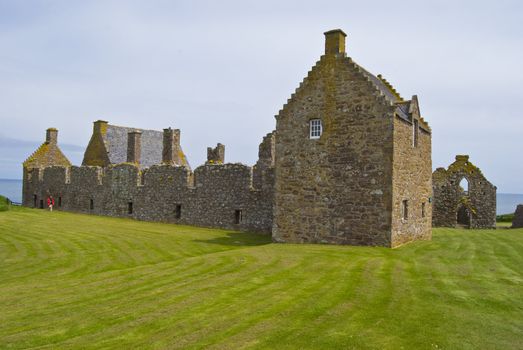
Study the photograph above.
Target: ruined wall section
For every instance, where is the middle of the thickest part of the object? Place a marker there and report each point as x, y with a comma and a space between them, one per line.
412, 182
221, 196
517, 222
338, 188
480, 200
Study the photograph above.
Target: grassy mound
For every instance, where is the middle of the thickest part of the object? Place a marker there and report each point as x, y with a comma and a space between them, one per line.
4, 204
77, 281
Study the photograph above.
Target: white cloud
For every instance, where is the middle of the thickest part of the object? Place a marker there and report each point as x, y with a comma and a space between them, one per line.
221, 70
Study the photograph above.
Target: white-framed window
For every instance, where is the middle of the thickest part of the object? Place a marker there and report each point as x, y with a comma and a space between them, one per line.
315, 128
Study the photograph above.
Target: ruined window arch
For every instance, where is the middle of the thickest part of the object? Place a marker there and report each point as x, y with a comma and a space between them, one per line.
464, 185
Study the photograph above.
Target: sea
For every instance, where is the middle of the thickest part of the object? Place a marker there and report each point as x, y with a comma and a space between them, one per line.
506, 202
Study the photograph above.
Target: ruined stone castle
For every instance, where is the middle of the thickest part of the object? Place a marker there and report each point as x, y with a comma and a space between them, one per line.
348, 163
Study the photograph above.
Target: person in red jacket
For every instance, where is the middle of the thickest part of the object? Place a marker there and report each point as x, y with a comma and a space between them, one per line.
50, 202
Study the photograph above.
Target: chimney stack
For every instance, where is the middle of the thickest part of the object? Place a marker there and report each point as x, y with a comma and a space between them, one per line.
171, 147
100, 127
51, 136
335, 42
216, 155
134, 146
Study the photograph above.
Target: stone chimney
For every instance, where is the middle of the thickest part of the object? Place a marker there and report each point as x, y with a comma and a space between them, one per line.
216, 155
462, 157
335, 42
171, 147
51, 136
134, 146
100, 127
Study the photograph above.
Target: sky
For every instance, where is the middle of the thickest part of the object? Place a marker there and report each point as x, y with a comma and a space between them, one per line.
221, 70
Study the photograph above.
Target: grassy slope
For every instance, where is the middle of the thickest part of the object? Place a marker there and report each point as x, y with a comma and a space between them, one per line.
72, 281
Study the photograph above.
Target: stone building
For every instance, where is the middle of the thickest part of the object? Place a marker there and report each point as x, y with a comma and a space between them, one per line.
353, 158
517, 222
348, 163
463, 196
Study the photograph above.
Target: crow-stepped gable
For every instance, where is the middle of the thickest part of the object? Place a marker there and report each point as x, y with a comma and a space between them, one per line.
348, 163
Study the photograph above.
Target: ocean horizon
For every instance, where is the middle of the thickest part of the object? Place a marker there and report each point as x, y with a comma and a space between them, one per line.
506, 203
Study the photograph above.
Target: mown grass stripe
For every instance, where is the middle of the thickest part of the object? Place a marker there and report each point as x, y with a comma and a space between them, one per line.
80, 281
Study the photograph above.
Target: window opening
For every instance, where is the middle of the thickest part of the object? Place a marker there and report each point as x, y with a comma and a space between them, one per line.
91, 204
130, 208
178, 211
405, 209
464, 185
423, 209
238, 217
415, 133
315, 128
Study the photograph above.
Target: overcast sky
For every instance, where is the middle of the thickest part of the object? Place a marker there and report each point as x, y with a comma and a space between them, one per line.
221, 70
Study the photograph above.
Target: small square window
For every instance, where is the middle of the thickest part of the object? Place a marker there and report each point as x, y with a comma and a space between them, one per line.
315, 128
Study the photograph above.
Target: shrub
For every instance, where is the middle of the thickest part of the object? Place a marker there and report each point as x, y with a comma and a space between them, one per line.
505, 218
5, 203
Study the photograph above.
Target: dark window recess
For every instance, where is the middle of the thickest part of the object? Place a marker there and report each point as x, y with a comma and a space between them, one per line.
238, 217
405, 209
422, 210
59, 201
178, 211
91, 204
130, 208
35, 200
415, 135
41, 204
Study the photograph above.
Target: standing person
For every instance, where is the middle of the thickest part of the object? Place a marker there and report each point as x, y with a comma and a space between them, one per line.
50, 202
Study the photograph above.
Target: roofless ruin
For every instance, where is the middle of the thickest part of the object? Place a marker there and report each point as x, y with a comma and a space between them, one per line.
349, 162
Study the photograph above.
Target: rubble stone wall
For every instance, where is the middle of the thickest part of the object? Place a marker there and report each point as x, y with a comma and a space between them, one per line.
222, 195
338, 188
411, 183
517, 222
479, 201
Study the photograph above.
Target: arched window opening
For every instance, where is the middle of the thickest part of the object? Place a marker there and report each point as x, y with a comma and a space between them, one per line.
464, 186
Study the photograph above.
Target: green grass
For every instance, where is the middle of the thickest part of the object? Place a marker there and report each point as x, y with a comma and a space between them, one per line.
4, 204
78, 281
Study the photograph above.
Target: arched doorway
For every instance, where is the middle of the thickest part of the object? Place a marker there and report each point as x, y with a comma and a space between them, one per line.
463, 216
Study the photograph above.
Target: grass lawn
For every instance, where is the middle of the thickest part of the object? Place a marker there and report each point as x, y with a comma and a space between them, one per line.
78, 281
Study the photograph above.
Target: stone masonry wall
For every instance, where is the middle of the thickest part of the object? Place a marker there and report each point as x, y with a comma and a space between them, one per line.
479, 202
411, 182
221, 196
517, 222
338, 188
